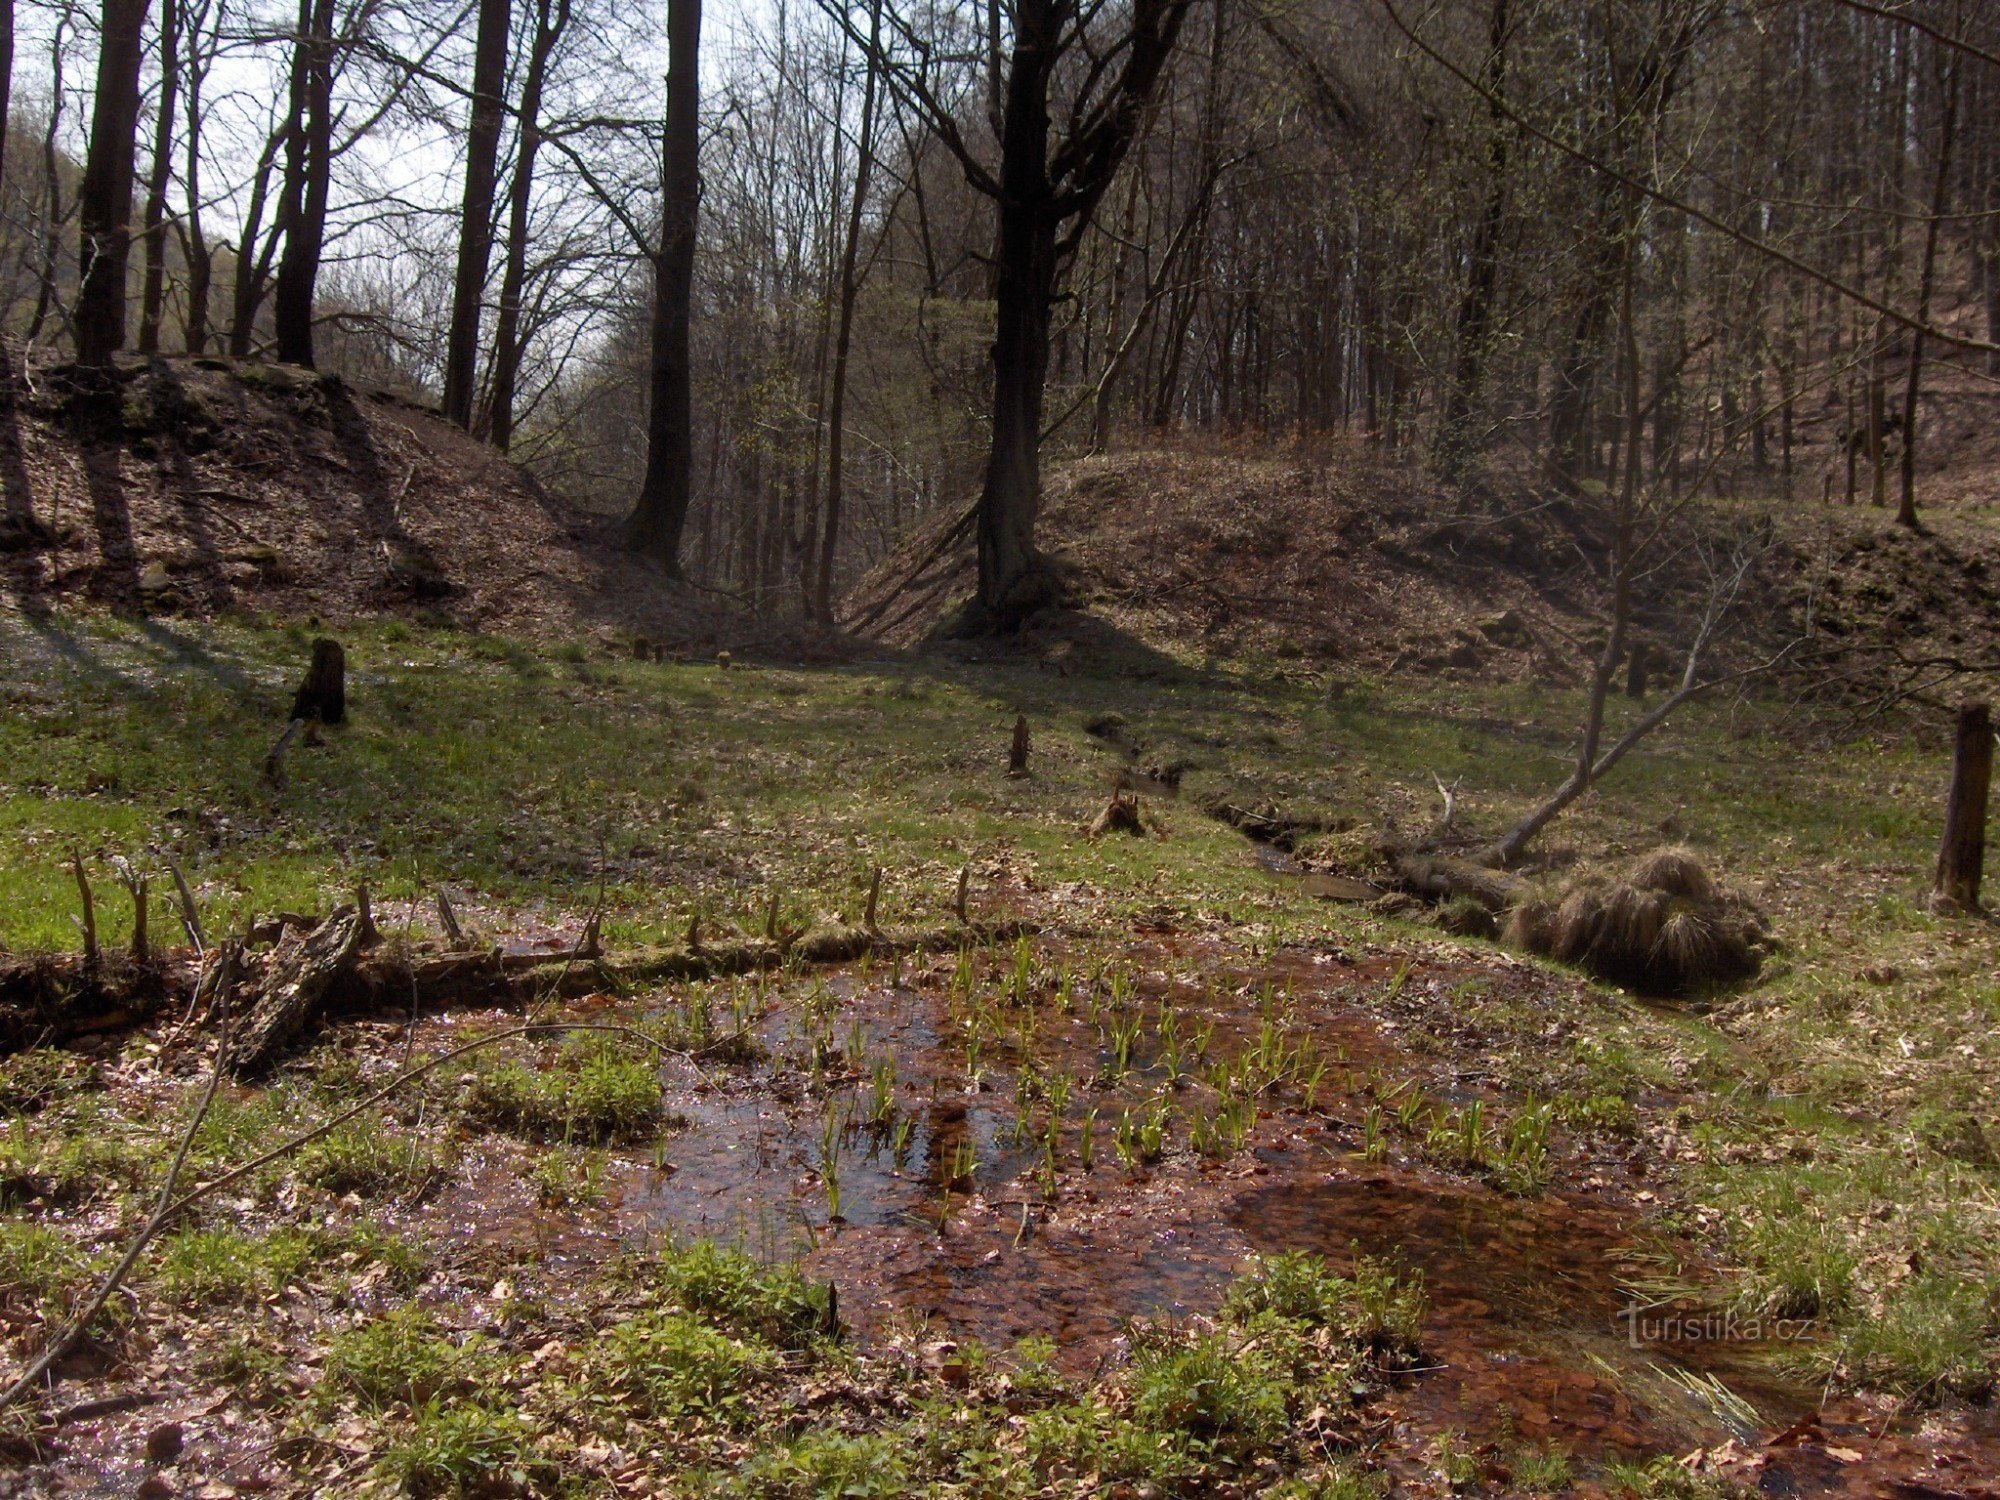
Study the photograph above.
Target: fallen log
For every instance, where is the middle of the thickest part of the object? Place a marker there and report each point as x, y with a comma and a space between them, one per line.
1441, 877
328, 970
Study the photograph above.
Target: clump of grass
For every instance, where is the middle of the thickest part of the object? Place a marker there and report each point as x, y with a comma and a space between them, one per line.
71, 1155
207, 1267
569, 1177
594, 1092
464, 1449
1932, 1336
1379, 1309
823, 1463
41, 1267
772, 1303
672, 1367
1662, 927
365, 1159
404, 1357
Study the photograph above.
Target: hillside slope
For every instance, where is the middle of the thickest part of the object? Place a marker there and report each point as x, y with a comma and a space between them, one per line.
204, 486
1350, 561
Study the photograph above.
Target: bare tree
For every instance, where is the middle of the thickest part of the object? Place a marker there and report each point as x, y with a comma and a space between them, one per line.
1046, 190
308, 179
475, 230
660, 515
104, 209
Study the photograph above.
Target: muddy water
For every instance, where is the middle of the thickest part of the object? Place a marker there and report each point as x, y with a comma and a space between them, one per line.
1524, 1338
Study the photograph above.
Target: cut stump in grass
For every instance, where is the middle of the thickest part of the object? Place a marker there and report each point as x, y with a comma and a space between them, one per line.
1962, 850
1120, 815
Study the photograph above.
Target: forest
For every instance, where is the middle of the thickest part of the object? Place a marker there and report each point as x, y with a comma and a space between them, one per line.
1045, 748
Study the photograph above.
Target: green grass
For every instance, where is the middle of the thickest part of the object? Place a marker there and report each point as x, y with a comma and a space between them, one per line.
595, 1090
524, 776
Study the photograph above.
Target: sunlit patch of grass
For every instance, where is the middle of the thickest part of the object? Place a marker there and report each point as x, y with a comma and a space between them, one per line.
672, 1367
463, 1449
370, 1160
1933, 1335
206, 1267
42, 1268
825, 1463
772, 1303
594, 1091
42, 1075
405, 1357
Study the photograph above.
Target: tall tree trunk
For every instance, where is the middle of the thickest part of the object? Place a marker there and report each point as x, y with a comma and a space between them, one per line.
52, 214
104, 206
661, 513
159, 175
822, 599
475, 224
1906, 509
520, 202
308, 178
253, 264
1013, 578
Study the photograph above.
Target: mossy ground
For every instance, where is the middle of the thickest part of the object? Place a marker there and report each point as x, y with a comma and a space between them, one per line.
1823, 1130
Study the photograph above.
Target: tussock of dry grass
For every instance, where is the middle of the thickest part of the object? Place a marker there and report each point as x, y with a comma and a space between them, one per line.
1662, 926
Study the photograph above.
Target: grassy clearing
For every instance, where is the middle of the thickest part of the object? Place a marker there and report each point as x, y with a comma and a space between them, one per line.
1831, 1128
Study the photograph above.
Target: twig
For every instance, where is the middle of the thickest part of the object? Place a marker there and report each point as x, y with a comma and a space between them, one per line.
190, 918
89, 922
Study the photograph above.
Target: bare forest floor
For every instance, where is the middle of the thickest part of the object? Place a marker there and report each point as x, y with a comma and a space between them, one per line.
1112, 1164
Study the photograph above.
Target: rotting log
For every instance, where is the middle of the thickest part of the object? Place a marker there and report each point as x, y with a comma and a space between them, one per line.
47, 999
1962, 850
325, 970
301, 972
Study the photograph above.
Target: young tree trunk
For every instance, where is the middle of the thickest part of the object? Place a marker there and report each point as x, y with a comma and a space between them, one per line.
194, 243
52, 214
1475, 307
475, 224
661, 513
308, 178
253, 265
850, 287
158, 176
104, 207
6, 73
1906, 509
1962, 851
520, 202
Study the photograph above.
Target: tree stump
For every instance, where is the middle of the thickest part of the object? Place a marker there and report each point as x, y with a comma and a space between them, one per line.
321, 699
302, 971
323, 694
1017, 753
1962, 851
1637, 666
